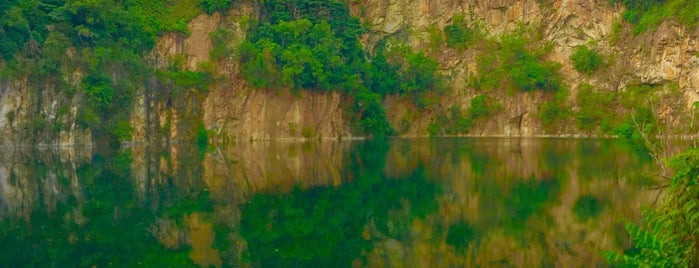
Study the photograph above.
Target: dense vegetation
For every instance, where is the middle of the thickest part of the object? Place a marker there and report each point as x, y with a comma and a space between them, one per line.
100, 224
105, 42
458, 34
669, 235
513, 64
586, 60
314, 45
322, 226
456, 121
648, 14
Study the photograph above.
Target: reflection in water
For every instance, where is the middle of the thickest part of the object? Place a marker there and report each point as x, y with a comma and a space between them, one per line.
398, 203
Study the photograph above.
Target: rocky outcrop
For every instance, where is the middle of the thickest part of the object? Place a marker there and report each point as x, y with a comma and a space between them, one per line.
231, 110
664, 57
39, 114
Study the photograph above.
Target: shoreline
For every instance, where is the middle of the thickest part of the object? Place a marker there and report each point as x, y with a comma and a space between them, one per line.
345, 139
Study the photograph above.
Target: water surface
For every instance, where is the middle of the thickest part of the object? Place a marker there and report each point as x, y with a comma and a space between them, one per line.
397, 203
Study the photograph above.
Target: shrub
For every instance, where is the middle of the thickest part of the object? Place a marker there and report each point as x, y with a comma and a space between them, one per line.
457, 122
667, 237
587, 207
188, 79
211, 6
648, 14
594, 108
220, 39
513, 65
586, 60
202, 138
555, 110
459, 35
123, 131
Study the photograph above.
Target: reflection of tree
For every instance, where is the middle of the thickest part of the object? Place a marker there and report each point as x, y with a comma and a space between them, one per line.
106, 224
520, 201
439, 202
323, 227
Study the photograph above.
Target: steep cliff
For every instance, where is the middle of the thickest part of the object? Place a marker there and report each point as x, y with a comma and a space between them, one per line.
660, 58
657, 70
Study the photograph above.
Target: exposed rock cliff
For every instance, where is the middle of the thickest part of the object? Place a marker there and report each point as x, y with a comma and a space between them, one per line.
665, 59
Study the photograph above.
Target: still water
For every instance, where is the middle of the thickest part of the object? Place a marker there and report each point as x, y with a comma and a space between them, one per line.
396, 203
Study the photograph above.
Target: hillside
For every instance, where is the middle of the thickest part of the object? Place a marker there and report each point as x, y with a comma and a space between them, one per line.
103, 71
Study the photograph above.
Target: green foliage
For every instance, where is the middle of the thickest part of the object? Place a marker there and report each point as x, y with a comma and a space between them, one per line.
187, 79
220, 39
419, 74
202, 138
555, 110
109, 40
123, 131
595, 109
640, 121
479, 108
656, 245
211, 6
435, 38
587, 207
458, 34
513, 65
307, 132
586, 60
648, 14
115, 217
322, 226
314, 45
99, 92
433, 129
615, 32
457, 122
301, 48
670, 234
460, 235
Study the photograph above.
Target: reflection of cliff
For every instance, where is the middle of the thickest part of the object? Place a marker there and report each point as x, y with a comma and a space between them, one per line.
425, 202
248, 168
518, 199
31, 180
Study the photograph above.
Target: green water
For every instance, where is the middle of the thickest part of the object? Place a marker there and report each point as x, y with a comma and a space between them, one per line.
396, 203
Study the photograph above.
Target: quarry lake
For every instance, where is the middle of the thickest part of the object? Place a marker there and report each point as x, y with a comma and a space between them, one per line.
447, 202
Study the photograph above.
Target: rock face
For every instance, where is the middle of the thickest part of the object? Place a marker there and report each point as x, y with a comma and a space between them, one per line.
663, 57
45, 118
231, 110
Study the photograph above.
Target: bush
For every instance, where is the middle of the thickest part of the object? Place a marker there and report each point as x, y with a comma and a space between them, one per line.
667, 237
220, 39
188, 79
555, 110
594, 108
586, 60
513, 65
459, 35
640, 121
202, 138
587, 207
211, 6
648, 14
458, 122
123, 131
